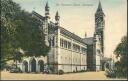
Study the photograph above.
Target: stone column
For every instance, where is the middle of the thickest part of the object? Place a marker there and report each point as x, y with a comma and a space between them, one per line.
37, 68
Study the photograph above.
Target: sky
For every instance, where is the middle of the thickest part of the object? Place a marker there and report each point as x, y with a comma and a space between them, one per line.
78, 17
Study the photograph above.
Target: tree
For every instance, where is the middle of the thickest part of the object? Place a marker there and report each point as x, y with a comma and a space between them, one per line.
31, 36
122, 53
8, 11
20, 30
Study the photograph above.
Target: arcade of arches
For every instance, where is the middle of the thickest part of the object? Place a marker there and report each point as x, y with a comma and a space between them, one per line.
33, 65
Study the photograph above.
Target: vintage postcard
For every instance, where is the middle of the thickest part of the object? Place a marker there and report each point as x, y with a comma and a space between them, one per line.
64, 40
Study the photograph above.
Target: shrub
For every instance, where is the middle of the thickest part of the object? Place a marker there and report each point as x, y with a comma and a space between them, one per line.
61, 72
110, 73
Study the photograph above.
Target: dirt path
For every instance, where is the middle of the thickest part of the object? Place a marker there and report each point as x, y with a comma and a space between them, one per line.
72, 76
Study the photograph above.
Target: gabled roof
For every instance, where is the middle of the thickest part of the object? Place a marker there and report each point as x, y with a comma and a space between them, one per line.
89, 40
69, 34
38, 15
62, 30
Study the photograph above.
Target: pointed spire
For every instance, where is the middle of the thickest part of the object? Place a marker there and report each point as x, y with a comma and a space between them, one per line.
47, 7
85, 34
57, 14
57, 17
99, 6
47, 10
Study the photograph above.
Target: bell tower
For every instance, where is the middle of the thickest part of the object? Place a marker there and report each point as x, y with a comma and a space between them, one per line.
98, 45
99, 25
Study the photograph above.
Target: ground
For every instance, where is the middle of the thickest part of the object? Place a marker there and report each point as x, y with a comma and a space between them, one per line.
71, 76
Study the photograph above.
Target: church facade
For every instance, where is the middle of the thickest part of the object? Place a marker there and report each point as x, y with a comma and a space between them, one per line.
68, 52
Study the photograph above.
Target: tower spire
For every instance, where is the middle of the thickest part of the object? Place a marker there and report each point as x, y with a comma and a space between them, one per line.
57, 18
46, 23
85, 34
47, 6
47, 10
99, 7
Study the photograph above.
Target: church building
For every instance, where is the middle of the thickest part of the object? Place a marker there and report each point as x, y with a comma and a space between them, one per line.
69, 52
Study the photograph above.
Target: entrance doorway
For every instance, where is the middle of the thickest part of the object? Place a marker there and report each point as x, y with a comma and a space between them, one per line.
33, 65
25, 66
41, 65
76, 69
